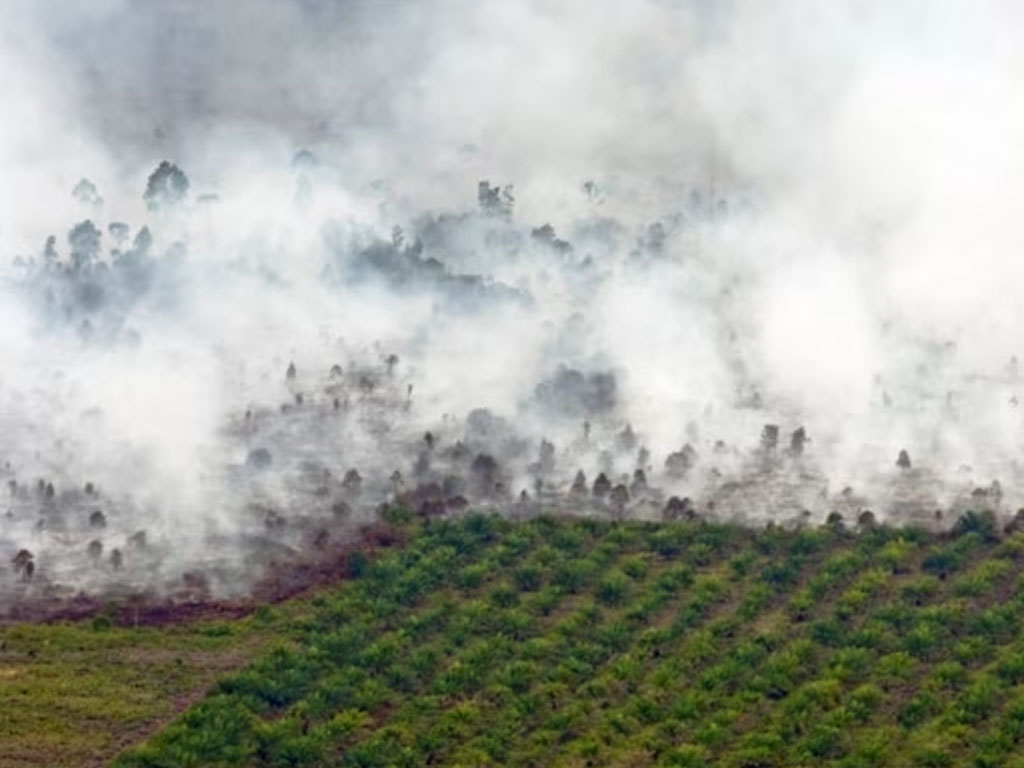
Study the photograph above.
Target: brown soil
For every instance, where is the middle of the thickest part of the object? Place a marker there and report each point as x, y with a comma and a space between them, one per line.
283, 581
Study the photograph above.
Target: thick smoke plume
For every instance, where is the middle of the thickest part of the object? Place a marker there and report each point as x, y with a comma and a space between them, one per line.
267, 266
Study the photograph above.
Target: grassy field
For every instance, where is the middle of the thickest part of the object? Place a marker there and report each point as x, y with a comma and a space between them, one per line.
565, 643
77, 694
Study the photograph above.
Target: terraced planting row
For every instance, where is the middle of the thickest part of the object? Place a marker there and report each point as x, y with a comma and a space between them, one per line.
585, 643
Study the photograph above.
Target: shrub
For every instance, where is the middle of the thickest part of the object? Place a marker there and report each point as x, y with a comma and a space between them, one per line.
920, 708
674, 578
471, 576
942, 561
865, 700
504, 596
895, 556
396, 515
668, 542
574, 575
356, 564
529, 578
545, 600
781, 573
613, 588
635, 567
982, 523
977, 701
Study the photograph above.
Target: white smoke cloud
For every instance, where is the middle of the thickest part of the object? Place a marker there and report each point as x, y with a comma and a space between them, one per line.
798, 214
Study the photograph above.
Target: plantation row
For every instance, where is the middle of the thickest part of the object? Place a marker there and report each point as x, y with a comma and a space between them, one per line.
583, 643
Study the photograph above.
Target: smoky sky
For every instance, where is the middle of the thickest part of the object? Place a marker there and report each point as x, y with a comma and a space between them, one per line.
677, 221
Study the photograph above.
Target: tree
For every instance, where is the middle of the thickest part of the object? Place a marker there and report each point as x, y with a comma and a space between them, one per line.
797, 441
84, 239
626, 439
166, 186
592, 191
143, 242
85, 192
545, 235
118, 231
50, 255
495, 201
304, 160
679, 463
866, 519
485, 473
24, 563
619, 497
639, 484
1016, 524
770, 437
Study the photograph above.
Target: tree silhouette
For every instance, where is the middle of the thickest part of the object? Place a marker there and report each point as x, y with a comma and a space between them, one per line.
166, 186
84, 239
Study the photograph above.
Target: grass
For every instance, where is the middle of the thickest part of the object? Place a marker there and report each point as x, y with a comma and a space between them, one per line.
75, 694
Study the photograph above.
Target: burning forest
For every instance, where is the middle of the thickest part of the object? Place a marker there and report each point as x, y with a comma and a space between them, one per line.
237, 335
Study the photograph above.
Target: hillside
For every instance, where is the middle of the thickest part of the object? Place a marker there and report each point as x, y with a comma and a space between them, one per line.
582, 643
483, 641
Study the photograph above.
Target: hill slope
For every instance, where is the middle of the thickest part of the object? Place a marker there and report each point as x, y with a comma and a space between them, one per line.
579, 643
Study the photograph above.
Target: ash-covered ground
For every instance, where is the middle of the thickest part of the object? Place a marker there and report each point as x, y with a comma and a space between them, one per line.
268, 267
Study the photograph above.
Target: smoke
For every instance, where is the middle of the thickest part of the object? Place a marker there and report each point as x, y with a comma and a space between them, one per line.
471, 249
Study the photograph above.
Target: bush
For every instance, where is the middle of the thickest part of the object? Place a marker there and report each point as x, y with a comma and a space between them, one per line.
943, 561
1010, 668
357, 564
545, 601
895, 556
865, 701
920, 708
529, 578
674, 578
668, 542
982, 523
635, 567
471, 576
781, 573
574, 575
613, 589
394, 515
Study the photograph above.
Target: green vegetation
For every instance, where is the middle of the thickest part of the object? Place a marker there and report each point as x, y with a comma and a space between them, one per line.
583, 643
76, 694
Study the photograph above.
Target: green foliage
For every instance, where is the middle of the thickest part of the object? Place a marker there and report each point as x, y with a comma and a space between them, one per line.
895, 556
357, 564
613, 588
72, 694
396, 515
569, 643
980, 523
529, 578
574, 575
